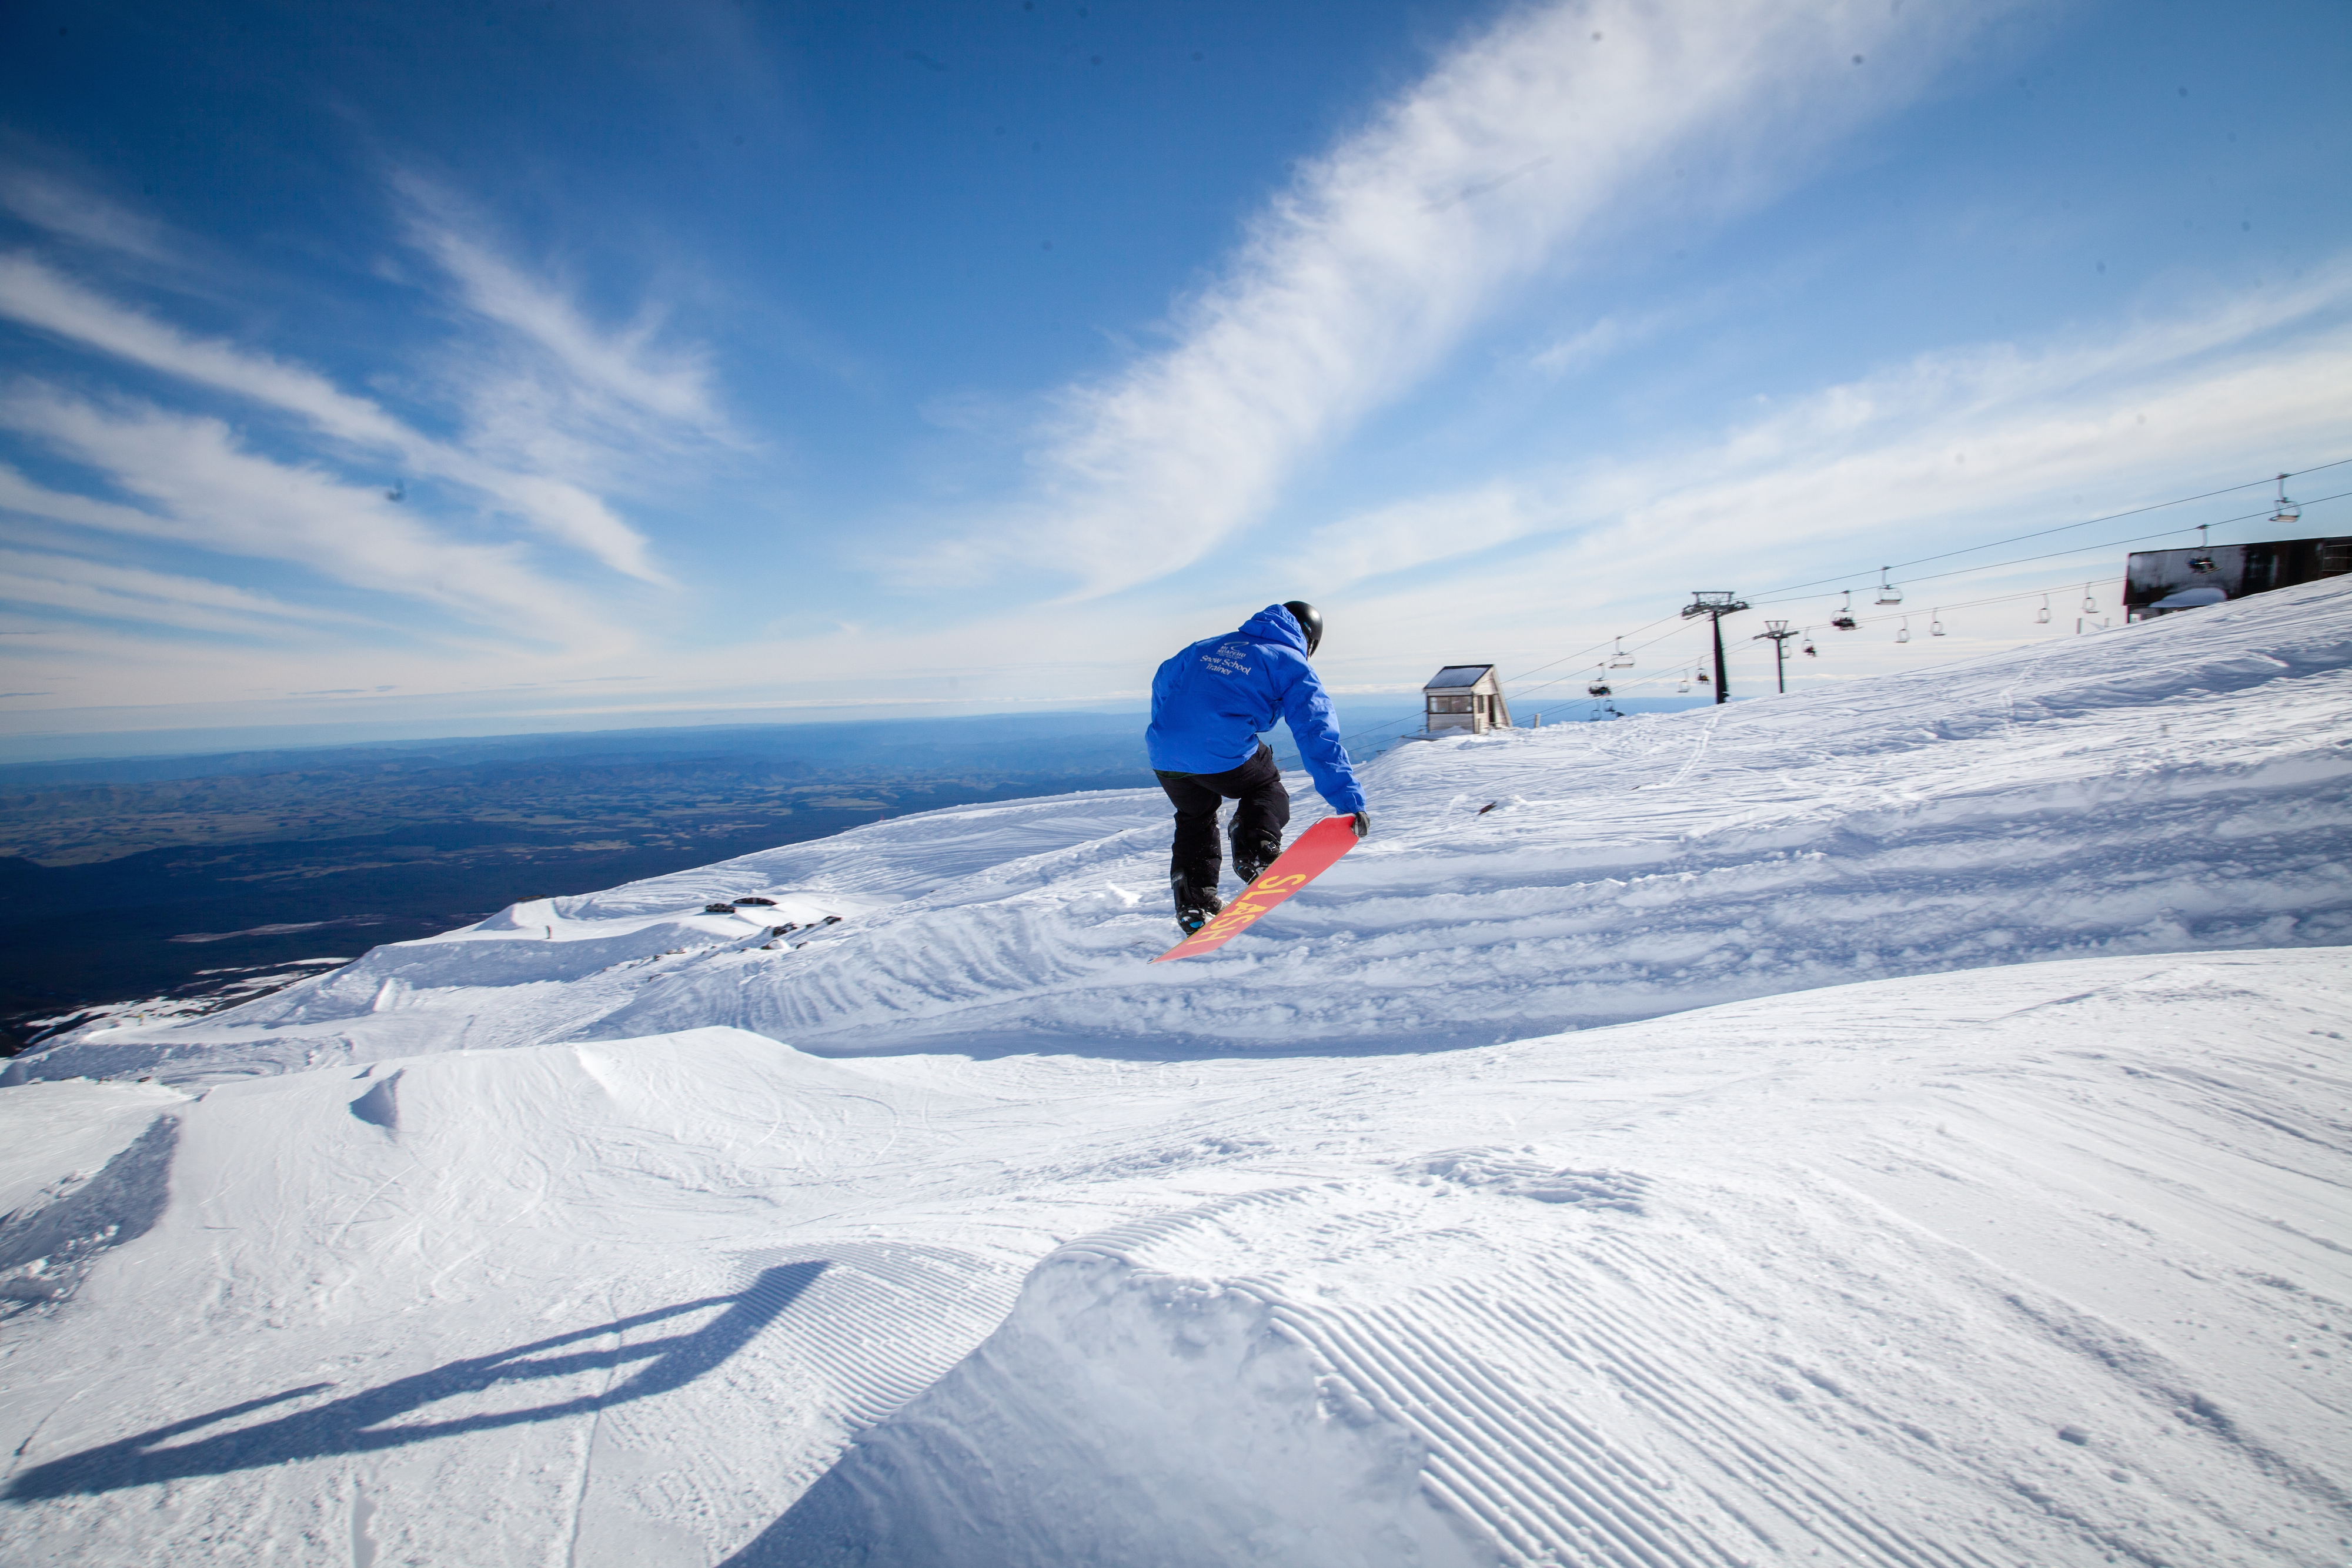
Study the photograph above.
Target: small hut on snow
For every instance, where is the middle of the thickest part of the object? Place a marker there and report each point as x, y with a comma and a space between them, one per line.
1464, 697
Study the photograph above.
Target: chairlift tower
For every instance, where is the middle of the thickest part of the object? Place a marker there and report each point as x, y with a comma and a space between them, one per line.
1714, 605
1779, 633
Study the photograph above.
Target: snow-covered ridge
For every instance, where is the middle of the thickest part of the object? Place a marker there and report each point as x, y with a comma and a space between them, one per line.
2014, 1263
2175, 786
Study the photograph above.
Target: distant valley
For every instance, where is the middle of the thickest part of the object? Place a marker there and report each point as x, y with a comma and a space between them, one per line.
205, 879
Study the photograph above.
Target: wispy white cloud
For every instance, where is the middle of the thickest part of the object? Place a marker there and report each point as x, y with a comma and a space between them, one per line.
78, 214
545, 384
109, 590
200, 487
1551, 127
1415, 531
1946, 448
627, 365
41, 298
1603, 340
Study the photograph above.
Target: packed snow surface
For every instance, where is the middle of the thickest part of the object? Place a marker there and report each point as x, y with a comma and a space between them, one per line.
1515, 1195
2175, 786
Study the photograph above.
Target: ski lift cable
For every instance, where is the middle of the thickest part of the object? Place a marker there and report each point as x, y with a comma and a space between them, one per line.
1963, 571
1518, 691
2107, 517
1674, 621
1784, 595
2066, 587
1795, 591
2052, 554
2079, 549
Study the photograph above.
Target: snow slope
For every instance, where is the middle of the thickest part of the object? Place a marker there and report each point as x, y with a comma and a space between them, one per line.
2043, 1264
2175, 786
1753, 1290
986, 1243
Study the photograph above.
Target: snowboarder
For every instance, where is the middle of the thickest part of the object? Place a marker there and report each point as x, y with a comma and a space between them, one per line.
1208, 704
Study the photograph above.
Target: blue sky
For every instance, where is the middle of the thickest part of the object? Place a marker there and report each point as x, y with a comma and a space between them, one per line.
417, 370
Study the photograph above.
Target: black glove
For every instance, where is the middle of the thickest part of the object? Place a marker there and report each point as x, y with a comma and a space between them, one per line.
1363, 825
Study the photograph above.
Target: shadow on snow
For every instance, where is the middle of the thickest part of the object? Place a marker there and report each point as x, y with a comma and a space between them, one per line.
356, 1424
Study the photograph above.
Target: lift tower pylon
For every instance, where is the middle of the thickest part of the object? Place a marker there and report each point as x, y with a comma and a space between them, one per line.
1714, 605
1779, 633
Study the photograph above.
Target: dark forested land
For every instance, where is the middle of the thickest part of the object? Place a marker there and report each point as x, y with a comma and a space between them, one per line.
144, 877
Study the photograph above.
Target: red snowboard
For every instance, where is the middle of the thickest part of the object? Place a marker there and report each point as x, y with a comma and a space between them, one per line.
1318, 849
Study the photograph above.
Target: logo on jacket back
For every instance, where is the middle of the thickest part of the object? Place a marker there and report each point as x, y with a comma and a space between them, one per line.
1226, 658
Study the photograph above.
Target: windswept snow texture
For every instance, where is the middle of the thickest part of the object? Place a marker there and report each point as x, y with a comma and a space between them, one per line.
1960, 1285
2177, 786
81, 1169
977, 1241
2043, 1264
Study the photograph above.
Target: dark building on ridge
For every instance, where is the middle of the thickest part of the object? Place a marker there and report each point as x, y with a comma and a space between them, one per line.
2159, 581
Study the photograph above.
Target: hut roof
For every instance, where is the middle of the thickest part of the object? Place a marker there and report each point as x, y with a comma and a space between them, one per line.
1455, 675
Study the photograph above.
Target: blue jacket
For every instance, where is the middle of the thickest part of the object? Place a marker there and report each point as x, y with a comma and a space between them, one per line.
1211, 702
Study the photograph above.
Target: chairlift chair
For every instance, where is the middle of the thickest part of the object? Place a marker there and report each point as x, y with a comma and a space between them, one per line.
1843, 619
2042, 616
1888, 592
1903, 632
2288, 512
1620, 660
1936, 623
1810, 652
2090, 605
1599, 685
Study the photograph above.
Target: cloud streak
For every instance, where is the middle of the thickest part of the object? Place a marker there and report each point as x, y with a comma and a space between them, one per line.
201, 489
1551, 127
548, 388
1952, 446
38, 297
77, 215
47, 579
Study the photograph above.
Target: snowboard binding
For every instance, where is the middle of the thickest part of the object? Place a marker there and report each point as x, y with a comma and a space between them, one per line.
1195, 907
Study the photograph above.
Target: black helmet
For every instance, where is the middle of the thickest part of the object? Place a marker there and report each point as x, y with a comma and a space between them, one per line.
1310, 621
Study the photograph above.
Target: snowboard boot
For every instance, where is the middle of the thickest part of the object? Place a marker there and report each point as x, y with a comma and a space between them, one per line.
1251, 857
1195, 907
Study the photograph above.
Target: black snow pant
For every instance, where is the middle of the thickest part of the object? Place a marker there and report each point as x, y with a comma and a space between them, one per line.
1258, 821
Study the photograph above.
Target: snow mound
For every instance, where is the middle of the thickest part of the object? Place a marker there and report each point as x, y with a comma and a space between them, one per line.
1128, 1415
1957, 1299
2179, 785
436, 1323
2030, 1264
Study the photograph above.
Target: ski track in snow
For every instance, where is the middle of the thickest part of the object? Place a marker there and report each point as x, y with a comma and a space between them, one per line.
605, 1234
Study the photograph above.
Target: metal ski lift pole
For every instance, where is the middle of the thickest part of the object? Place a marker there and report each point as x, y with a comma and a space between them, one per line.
1714, 605
1779, 633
